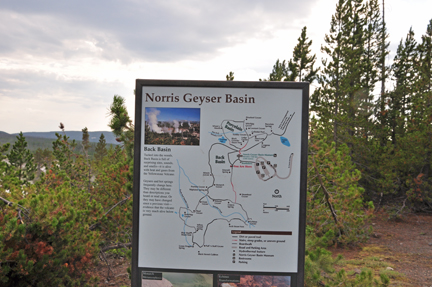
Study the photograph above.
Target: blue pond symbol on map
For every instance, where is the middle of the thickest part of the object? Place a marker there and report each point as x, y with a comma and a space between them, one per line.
285, 141
222, 139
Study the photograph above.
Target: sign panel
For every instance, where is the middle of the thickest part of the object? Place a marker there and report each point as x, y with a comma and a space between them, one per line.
219, 188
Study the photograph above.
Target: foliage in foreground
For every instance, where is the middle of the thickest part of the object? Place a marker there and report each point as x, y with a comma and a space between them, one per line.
320, 267
335, 203
45, 239
53, 230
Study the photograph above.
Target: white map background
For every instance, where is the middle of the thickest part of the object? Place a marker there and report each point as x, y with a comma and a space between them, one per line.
161, 234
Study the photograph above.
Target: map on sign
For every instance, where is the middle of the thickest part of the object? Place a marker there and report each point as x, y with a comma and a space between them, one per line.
238, 144
220, 179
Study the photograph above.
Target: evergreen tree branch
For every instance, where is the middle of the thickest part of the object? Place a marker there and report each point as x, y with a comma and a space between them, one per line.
327, 197
117, 246
121, 202
20, 208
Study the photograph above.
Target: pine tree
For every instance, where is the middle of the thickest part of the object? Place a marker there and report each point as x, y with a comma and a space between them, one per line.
371, 123
48, 237
354, 67
121, 124
406, 160
341, 92
278, 73
375, 52
3, 164
383, 74
123, 128
63, 154
372, 45
230, 76
101, 150
301, 66
85, 141
404, 74
335, 200
22, 159
38, 160
419, 127
7, 171
43, 157
325, 100
355, 49
424, 105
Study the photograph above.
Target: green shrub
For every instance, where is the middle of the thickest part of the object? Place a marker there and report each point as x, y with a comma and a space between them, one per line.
45, 240
335, 207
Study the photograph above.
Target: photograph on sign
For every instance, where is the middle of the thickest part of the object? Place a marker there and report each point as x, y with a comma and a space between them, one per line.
169, 279
172, 126
230, 280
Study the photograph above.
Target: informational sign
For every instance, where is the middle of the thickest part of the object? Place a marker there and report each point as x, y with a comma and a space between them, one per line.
219, 183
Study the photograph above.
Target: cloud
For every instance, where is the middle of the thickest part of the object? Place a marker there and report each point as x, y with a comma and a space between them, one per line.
39, 101
64, 60
158, 31
28, 84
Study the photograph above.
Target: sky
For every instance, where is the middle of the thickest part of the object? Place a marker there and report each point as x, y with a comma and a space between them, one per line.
63, 61
170, 114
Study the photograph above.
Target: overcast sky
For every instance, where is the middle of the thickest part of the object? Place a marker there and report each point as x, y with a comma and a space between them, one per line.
63, 61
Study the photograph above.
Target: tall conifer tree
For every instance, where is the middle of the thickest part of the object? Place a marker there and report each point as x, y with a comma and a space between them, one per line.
404, 74
301, 66
383, 74
85, 141
278, 73
340, 94
22, 160
101, 150
422, 108
371, 117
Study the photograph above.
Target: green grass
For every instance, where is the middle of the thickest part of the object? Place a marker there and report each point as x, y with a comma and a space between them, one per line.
373, 258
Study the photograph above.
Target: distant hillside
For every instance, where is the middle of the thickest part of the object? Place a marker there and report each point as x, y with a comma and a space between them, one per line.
74, 135
32, 143
44, 140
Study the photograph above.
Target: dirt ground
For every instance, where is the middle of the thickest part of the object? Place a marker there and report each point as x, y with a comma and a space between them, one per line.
402, 247
114, 273
408, 244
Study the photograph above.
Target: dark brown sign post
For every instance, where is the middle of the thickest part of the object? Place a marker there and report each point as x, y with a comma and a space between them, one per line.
219, 183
